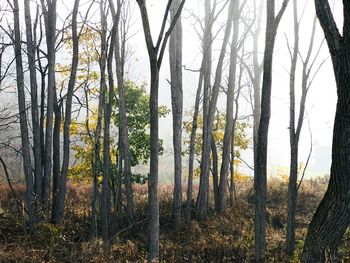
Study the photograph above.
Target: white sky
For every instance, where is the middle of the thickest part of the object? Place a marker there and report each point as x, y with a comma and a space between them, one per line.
320, 103
321, 99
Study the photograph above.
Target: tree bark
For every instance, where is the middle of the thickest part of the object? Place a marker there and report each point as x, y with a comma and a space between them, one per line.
23, 118
49, 12
332, 215
34, 103
222, 196
123, 125
294, 141
155, 53
175, 59
58, 208
260, 171
202, 199
105, 193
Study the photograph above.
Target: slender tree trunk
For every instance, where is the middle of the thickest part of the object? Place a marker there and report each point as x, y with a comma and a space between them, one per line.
229, 112
34, 103
260, 171
49, 12
192, 148
215, 170
294, 141
105, 193
202, 200
23, 118
56, 152
175, 59
257, 78
123, 123
155, 53
331, 219
59, 201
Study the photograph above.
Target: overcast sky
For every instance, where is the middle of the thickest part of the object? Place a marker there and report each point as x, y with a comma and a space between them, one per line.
321, 99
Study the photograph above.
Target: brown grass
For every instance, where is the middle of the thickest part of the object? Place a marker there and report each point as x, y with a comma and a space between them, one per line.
227, 237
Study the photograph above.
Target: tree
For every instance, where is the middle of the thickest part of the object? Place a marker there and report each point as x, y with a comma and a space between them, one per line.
34, 103
331, 218
175, 60
50, 16
23, 118
120, 51
260, 178
229, 111
59, 198
155, 53
295, 128
208, 113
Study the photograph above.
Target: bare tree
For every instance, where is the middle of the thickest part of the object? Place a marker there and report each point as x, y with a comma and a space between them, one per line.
155, 53
331, 219
260, 178
229, 110
50, 16
202, 199
175, 60
34, 102
295, 131
23, 117
59, 200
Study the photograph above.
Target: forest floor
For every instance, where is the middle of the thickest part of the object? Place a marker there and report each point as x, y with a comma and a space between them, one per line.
228, 237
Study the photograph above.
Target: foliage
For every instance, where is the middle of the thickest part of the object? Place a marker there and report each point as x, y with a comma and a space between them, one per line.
138, 117
241, 138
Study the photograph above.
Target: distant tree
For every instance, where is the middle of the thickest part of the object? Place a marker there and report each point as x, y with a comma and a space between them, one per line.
331, 219
296, 122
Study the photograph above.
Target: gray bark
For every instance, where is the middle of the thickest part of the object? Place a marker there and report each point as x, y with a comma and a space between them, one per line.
49, 12
34, 103
105, 193
155, 53
23, 118
260, 177
202, 200
123, 123
59, 203
175, 59
222, 196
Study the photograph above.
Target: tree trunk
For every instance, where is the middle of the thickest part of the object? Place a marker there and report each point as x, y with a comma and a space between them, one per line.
332, 215
34, 103
56, 156
58, 208
215, 170
175, 59
202, 200
260, 171
50, 28
23, 118
192, 148
123, 123
229, 111
105, 193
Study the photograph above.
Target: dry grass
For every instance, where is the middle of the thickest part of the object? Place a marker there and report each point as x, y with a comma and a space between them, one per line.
227, 237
